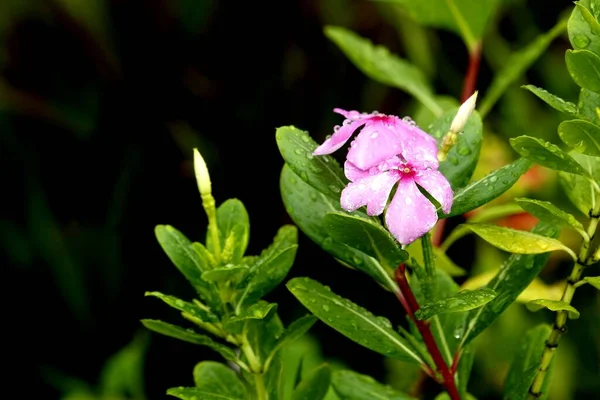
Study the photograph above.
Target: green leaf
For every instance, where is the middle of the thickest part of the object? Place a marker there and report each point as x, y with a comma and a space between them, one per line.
321, 172
213, 378
192, 393
296, 330
490, 187
463, 301
188, 335
367, 237
207, 259
547, 211
525, 364
259, 310
546, 154
583, 136
467, 18
588, 105
271, 267
123, 372
186, 307
187, 261
354, 322
465, 365
516, 65
350, 385
584, 67
308, 208
517, 242
315, 386
379, 64
580, 190
553, 101
593, 280
461, 160
553, 305
229, 273
584, 29
512, 278
234, 231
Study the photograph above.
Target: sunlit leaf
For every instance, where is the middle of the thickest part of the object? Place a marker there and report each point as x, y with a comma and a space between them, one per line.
583, 28
578, 188
547, 211
219, 380
553, 101
582, 136
463, 301
584, 67
184, 306
553, 305
350, 385
234, 231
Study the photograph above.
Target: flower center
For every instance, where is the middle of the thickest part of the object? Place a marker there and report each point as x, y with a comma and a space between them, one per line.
406, 171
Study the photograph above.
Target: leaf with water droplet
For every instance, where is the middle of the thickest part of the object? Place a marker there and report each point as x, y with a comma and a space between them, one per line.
547, 211
186, 307
553, 157
579, 189
378, 337
587, 105
582, 136
321, 172
553, 101
488, 188
459, 165
350, 385
462, 301
553, 305
584, 67
584, 29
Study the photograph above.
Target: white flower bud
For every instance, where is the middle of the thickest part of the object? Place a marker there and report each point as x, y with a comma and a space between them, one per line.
202, 176
463, 114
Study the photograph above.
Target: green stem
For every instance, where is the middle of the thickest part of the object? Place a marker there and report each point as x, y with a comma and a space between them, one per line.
208, 202
261, 390
585, 256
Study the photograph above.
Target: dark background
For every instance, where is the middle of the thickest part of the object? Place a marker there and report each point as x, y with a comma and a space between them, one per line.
97, 127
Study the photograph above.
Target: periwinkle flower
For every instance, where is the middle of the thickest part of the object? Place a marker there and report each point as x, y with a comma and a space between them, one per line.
390, 151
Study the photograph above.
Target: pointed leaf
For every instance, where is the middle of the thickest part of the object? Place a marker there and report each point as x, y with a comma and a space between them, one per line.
190, 336
234, 274
259, 310
593, 280
323, 173
366, 236
579, 189
485, 190
583, 136
207, 259
546, 154
271, 267
461, 160
518, 242
516, 65
187, 260
234, 231
186, 307
354, 322
463, 301
553, 305
547, 211
308, 208
512, 278
379, 64
583, 28
296, 330
315, 386
350, 385
553, 101
218, 379
465, 365
123, 372
584, 67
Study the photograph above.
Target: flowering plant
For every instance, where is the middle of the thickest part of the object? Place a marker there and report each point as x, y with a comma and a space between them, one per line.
384, 213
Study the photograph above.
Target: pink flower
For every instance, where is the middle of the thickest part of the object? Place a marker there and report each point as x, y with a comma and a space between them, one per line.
390, 151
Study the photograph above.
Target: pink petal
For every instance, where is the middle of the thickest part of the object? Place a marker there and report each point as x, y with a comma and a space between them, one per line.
374, 144
418, 147
354, 115
372, 191
410, 215
338, 138
354, 173
437, 186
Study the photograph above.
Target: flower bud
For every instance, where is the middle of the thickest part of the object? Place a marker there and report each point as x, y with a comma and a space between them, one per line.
463, 114
202, 176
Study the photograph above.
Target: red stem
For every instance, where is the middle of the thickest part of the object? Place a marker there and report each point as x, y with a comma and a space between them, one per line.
447, 377
472, 72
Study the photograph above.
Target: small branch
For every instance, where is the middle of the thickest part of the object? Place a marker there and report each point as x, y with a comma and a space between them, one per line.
444, 375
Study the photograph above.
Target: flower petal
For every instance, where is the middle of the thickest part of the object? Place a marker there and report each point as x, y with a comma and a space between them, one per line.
410, 215
338, 138
418, 147
372, 191
374, 144
437, 186
354, 173
353, 115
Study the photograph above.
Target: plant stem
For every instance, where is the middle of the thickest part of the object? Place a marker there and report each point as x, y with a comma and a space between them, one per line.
585, 256
261, 390
444, 376
470, 81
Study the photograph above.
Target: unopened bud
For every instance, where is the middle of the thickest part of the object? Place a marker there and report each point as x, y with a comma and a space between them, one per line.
463, 114
202, 176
